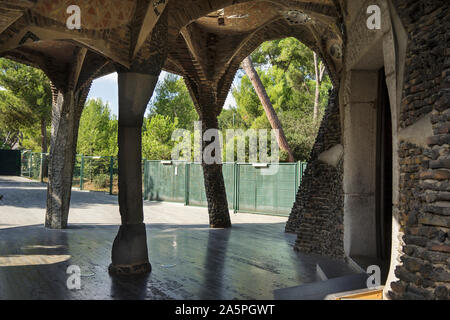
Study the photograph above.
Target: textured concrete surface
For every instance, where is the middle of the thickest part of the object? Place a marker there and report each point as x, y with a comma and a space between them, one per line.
189, 260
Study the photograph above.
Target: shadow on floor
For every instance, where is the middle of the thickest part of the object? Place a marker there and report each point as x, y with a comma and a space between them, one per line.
35, 197
248, 261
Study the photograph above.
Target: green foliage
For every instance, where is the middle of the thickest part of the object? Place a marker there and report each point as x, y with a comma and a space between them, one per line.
230, 119
157, 141
300, 133
28, 84
172, 99
12, 118
101, 181
286, 69
25, 105
97, 134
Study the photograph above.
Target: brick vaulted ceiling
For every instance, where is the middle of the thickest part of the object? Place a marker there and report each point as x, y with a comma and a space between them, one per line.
207, 39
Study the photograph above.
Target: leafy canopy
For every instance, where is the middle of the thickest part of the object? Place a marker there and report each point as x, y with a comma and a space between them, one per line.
172, 99
97, 134
25, 105
286, 69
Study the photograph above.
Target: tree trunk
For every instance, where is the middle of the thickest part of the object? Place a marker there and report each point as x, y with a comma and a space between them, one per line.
320, 71
267, 105
317, 93
66, 112
44, 163
319, 74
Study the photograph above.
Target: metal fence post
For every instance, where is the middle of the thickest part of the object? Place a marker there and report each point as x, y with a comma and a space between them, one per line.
236, 189
81, 172
186, 183
111, 165
145, 179
30, 164
41, 167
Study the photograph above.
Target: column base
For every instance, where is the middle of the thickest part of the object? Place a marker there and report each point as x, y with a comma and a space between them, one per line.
129, 252
219, 216
220, 225
130, 269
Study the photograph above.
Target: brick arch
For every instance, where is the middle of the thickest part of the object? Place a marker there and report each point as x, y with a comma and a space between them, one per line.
276, 30
191, 11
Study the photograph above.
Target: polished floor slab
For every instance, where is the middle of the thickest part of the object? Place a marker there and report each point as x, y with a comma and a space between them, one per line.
189, 260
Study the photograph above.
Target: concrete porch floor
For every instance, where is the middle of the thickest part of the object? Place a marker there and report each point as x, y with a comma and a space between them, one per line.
189, 260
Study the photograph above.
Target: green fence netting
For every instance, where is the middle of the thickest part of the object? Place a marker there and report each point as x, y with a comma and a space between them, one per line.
248, 188
89, 172
32, 163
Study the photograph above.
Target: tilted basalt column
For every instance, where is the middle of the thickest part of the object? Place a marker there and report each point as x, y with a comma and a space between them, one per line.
129, 253
136, 85
204, 96
219, 216
66, 113
317, 215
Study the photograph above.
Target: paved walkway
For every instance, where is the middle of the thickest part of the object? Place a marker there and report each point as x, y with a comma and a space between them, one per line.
189, 260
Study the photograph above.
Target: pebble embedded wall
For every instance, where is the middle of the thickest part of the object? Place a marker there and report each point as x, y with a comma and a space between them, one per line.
424, 192
317, 215
423, 269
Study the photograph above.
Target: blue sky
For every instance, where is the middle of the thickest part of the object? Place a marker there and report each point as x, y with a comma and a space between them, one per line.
106, 89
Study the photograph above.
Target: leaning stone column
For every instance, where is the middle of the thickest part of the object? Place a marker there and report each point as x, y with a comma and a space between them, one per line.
129, 252
66, 113
317, 215
219, 216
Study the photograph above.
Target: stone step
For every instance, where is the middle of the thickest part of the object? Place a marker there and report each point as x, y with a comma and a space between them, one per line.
328, 269
321, 289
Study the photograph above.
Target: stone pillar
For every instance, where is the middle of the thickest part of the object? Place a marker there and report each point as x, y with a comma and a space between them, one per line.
219, 216
317, 214
423, 269
66, 113
129, 252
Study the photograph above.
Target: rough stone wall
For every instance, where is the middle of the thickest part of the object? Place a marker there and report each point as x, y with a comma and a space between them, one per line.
424, 191
317, 215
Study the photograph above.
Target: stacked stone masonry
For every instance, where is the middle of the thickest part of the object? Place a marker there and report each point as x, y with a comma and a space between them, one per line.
424, 199
317, 215
120, 36
423, 269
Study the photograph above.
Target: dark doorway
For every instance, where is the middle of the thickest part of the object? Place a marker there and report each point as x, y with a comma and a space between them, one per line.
383, 193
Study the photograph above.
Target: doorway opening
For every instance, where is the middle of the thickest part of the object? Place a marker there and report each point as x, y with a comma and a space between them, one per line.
368, 171
383, 188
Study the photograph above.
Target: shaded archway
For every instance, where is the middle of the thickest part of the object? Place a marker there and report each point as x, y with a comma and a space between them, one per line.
207, 49
208, 52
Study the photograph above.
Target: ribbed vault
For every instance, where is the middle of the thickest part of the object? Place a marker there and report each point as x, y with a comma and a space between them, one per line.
206, 39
